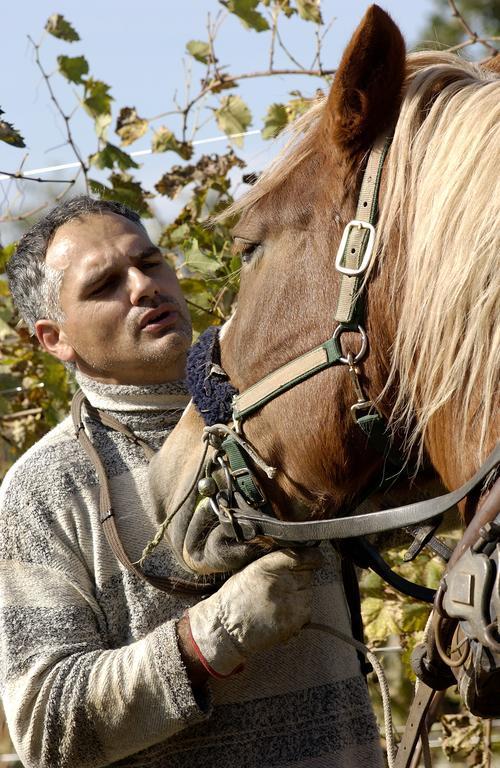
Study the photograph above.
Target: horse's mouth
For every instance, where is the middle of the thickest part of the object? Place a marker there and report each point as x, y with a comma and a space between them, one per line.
207, 549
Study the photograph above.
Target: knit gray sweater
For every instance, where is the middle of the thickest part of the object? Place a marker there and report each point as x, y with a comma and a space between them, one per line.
90, 671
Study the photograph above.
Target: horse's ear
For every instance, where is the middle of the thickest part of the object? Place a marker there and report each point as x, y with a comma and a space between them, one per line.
366, 92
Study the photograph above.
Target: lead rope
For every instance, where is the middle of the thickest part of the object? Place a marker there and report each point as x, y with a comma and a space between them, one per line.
382, 681
155, 541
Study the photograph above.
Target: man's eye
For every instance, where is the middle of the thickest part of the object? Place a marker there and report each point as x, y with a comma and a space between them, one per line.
105, 287
151, 263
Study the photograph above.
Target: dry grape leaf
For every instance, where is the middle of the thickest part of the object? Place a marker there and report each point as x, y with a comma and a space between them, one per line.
9, 134
209, 169
129, 126
174, 180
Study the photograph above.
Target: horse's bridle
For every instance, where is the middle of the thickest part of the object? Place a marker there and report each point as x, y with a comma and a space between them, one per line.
240, 504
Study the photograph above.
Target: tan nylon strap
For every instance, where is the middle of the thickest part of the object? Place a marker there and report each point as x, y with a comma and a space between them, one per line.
106, 515
357, 240
275, 380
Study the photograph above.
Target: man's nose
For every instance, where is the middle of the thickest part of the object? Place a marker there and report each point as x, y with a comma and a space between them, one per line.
140, 286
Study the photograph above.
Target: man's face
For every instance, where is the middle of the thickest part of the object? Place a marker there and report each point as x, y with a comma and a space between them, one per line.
126, 319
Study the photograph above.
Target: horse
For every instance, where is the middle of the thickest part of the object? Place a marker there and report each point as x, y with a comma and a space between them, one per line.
430, 292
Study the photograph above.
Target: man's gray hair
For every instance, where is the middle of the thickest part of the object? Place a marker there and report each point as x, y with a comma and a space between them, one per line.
34, 285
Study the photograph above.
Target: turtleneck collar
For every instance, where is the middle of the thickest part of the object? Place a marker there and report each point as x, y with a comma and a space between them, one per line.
130, 398
146, 408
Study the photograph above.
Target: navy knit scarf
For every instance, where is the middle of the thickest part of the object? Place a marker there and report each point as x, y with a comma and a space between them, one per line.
208, 384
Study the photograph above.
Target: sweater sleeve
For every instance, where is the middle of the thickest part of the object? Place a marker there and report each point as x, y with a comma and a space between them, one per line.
70, 699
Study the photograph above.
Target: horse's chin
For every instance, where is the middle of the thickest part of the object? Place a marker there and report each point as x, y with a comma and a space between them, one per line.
222, 556
206, 549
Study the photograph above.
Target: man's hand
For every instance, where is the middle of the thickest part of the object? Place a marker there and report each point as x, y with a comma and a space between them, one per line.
265, 604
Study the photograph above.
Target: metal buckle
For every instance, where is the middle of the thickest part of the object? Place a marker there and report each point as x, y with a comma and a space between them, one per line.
368, 250
365, 405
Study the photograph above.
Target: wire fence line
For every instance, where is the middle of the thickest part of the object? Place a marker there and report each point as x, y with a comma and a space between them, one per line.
137, 153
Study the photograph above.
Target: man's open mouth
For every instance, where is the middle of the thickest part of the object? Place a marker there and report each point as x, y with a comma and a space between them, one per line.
159, 318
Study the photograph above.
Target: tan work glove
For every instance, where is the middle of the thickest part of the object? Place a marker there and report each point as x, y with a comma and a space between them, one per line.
265, 604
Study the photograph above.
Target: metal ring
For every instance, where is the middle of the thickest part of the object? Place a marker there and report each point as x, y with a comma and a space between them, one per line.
339, 330
453, 663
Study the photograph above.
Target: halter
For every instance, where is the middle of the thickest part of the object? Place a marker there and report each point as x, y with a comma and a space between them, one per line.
241, 506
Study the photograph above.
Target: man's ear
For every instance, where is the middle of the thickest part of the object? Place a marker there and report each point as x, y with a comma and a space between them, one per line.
54, 340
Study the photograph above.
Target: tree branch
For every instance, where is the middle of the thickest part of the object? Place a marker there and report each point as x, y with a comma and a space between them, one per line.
65, 117
20, 176
472, 36
228, 80
23, 216
287, 52
274, 30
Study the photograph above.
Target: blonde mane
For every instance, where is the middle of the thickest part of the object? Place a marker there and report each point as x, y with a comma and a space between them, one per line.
443, 199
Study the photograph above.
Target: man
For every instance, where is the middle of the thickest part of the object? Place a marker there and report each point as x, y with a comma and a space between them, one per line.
97, 667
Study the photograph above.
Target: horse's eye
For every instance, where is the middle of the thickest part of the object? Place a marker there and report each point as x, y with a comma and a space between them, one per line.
247, 250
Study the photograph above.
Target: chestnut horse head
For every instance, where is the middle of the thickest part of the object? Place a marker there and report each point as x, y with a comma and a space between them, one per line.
430, 296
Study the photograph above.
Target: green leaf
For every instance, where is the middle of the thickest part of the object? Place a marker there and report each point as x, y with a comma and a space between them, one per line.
112, 156
129, 126
73, 68
233, 116
165, 141
297, 106
179, 234
97, 99
245, 10
9, 134
199, 51
5, 253
414, 617
275, 120
125, 190
379, 618
101, 125
197, 261
309, 10
57, 26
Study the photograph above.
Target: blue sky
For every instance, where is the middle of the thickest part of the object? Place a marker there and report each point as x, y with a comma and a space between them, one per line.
139, 49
